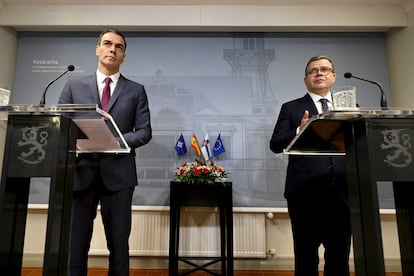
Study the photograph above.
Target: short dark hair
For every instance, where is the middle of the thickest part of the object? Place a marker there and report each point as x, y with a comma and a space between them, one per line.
315, 58
110, 30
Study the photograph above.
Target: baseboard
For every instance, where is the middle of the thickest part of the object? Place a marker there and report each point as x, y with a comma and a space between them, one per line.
271, 263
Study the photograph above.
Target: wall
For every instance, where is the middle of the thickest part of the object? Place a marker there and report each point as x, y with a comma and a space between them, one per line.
399, 52
277, 231
400, 56
8, 37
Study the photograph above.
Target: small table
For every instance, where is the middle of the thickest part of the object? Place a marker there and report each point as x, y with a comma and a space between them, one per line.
218, 194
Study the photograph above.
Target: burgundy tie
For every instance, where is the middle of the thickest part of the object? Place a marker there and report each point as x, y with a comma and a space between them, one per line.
106, 94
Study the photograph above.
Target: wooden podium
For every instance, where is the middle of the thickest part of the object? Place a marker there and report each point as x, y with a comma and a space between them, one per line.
378, 145
42, 141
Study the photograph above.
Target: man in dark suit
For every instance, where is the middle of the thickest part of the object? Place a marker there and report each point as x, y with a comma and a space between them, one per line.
107, 179
315, 187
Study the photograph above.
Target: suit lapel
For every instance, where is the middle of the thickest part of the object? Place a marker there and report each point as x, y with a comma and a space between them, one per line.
93, 88
309, 105
117, 92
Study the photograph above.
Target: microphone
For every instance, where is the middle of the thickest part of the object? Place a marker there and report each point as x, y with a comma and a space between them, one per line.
43, 99
348, 75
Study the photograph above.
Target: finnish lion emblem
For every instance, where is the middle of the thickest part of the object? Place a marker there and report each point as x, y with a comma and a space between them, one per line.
397, 143
33, 141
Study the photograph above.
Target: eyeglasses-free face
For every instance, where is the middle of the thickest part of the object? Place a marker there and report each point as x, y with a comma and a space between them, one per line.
321, 70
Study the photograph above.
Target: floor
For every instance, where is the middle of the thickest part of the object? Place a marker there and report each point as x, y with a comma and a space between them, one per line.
164, 272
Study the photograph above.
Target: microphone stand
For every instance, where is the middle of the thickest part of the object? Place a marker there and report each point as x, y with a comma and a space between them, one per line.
383, 98
43, 99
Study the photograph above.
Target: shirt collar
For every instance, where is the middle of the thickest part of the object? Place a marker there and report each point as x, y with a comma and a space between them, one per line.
100, 77
315, 97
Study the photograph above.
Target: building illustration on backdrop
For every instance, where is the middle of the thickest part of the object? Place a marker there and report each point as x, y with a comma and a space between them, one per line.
240, 106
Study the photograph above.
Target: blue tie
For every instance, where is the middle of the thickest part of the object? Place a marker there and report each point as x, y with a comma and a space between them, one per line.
324, 103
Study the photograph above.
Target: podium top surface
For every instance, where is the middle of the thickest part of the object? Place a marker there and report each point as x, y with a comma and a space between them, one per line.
70, 110
354, 113
323, 134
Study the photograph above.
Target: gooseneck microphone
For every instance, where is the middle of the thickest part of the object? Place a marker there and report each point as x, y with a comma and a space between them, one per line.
43, 99
348, 75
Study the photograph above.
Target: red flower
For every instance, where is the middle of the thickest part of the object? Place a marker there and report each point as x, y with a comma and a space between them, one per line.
200, 171
197, 170
180, 170
219, 168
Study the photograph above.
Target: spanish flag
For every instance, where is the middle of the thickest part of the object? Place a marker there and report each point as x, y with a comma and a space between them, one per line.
195, 146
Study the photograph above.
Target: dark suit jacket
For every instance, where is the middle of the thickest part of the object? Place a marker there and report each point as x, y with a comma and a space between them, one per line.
129, 108
304, 172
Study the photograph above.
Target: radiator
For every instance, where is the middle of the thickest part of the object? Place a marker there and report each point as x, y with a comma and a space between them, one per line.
199, 234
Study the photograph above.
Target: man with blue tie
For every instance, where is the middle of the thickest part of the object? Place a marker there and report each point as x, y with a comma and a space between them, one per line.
315, 188
107, 179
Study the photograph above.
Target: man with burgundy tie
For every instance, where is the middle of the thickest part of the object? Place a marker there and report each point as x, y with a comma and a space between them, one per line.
107, 179
315, 188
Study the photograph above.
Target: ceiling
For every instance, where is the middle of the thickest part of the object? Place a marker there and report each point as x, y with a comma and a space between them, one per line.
206, 15
201, 2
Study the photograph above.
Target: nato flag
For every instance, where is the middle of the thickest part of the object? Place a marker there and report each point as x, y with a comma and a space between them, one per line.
180, 146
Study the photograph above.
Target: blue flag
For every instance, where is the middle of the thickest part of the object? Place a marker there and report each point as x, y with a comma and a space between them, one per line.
180, 146
218, 146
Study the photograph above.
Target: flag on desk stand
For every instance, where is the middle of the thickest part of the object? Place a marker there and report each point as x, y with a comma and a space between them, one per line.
205, 148
180, 146
218, 146
195, 145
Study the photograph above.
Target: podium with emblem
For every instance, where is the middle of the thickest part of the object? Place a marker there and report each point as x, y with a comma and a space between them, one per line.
378, 145
43, 141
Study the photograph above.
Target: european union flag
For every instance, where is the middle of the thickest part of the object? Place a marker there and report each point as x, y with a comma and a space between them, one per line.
180, 146
218, 146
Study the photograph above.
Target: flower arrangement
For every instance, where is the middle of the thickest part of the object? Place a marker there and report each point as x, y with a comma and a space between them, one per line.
200, 171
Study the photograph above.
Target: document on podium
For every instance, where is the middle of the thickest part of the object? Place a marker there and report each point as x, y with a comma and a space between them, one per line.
323, 134
99, 134
320, 136
97, 130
